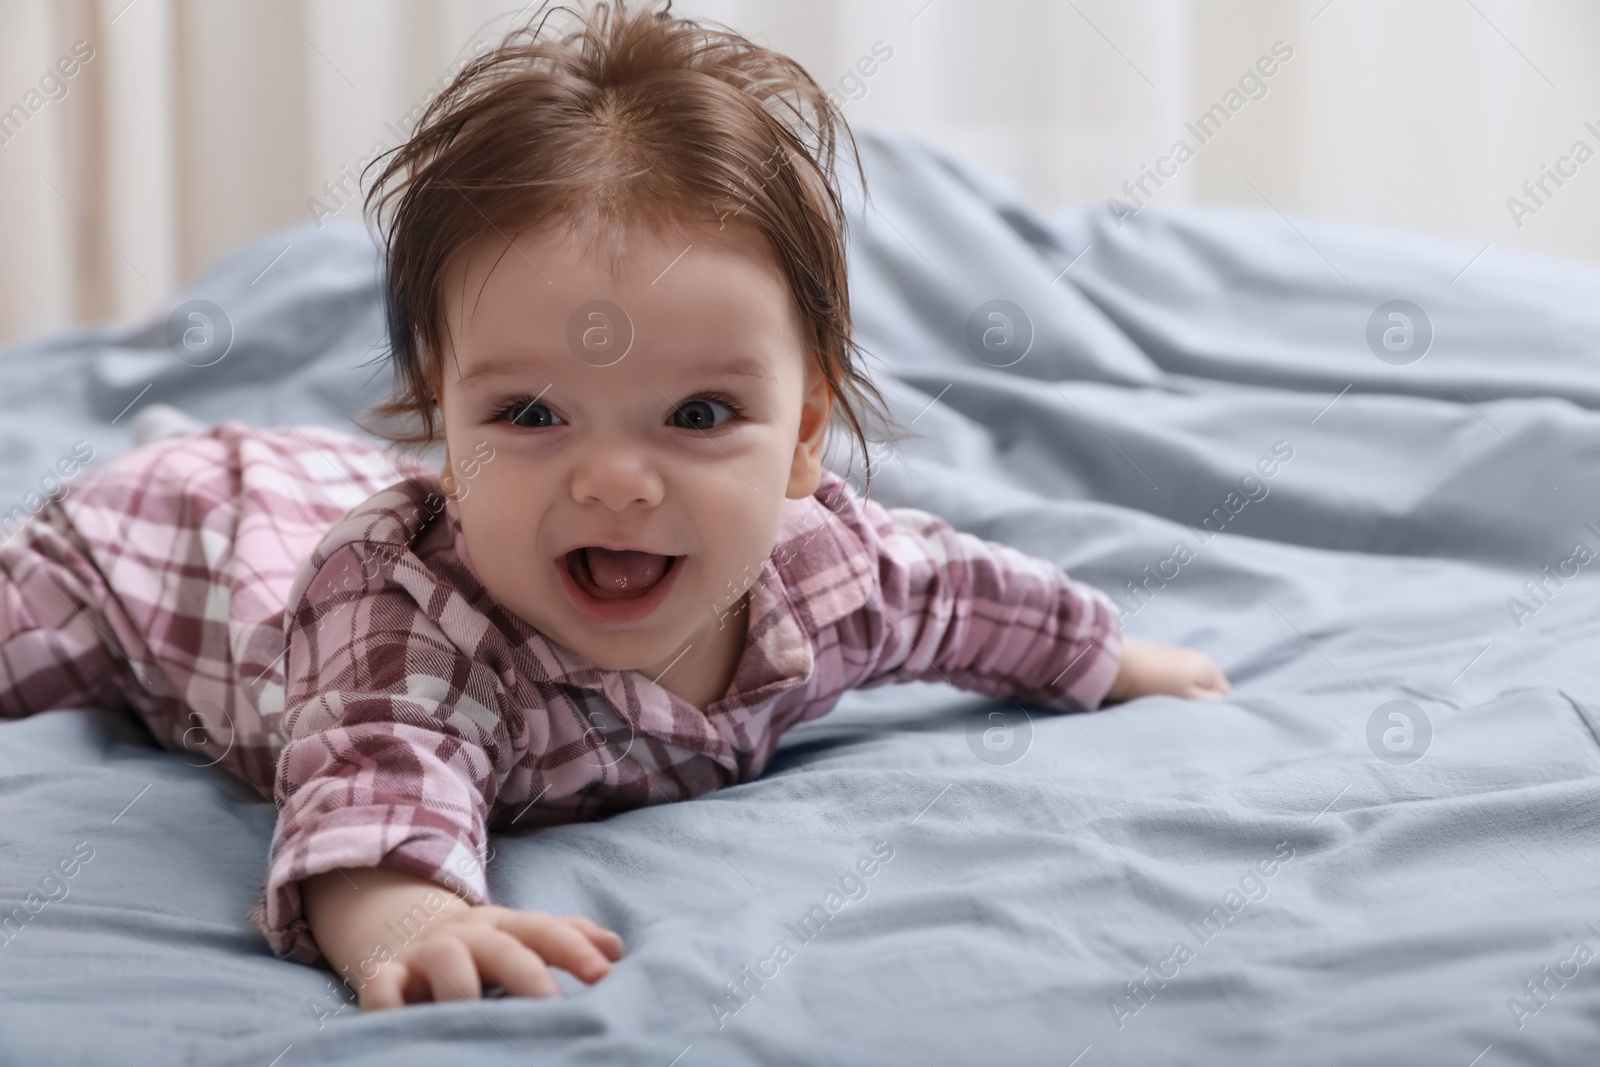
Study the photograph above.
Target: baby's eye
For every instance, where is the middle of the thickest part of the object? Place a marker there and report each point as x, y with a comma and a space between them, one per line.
529, 414
701, 414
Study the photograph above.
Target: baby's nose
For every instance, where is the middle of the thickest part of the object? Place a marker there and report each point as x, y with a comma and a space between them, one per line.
617, 478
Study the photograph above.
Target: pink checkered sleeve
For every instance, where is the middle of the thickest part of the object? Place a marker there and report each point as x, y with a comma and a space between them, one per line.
981, 616
395, 745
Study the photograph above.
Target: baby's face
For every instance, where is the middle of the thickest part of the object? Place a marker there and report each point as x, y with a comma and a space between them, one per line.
644, 433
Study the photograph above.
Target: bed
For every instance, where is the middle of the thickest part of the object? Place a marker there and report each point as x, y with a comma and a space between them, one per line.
1384, 848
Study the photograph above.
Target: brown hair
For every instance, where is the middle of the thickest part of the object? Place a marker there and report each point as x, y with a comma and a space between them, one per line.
630, 117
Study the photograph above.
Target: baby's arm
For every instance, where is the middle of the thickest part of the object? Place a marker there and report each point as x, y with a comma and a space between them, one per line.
396, 747
457, 949
949, 606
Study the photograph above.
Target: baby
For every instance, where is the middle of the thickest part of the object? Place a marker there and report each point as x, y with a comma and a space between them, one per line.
616, 293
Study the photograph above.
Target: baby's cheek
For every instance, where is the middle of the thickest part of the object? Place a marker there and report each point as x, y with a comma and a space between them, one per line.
756, 567
501, 562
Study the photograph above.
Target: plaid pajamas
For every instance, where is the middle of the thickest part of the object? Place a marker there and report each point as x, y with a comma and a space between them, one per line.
298, 603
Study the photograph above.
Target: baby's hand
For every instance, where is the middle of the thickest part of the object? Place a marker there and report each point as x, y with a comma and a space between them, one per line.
455, 955
357, 915
1167, 670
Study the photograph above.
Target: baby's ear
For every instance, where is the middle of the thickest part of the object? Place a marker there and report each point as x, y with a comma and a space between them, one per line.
816, 411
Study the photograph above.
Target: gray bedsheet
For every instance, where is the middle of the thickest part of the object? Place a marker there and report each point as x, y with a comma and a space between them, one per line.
1294, 876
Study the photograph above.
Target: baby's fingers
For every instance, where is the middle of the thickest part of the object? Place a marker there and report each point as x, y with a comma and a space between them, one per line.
386, 989
558, 942
509, 964
1211, 681
435, 969
605, 940
449, 968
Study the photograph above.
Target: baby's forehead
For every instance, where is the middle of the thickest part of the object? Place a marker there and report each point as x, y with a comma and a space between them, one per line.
682, 302
621, 247
700, 281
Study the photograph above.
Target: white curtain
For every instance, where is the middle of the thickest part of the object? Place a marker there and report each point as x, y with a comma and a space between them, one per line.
186, 127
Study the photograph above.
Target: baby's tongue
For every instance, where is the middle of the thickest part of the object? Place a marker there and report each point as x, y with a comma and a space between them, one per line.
618, 575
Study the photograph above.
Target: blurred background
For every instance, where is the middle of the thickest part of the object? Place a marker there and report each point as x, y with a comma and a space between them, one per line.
140, 140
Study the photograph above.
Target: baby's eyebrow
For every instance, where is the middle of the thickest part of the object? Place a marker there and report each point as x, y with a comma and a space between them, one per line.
742, 366
495, 368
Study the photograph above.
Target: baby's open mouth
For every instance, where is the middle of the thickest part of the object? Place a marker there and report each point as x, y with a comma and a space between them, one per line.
608, 574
